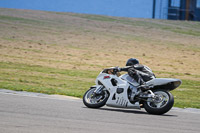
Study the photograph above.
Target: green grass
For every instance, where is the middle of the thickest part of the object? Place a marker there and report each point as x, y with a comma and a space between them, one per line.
95, 17
181, 29
47, 70
24, 77
172, 74
20, 20
34, 78
186, 32
187, 95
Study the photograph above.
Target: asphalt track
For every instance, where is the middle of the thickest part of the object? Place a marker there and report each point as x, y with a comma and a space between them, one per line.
38, 113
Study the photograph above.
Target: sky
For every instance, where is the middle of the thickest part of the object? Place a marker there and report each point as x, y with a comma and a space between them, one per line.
122, 8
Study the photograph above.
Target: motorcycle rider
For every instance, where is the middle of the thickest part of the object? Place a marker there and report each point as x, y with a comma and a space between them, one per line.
140, 73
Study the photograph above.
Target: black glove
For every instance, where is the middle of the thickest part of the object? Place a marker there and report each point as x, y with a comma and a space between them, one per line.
116, 69
131, 72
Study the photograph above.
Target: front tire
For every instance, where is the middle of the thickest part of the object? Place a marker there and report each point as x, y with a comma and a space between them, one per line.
163, 102
92, 101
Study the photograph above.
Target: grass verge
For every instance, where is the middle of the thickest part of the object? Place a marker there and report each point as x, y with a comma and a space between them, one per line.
34, 78
187, 95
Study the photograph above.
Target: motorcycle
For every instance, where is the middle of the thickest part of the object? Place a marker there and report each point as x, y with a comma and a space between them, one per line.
121, 91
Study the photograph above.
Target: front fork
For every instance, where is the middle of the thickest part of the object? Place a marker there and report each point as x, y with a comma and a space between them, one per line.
97, 92
99, 89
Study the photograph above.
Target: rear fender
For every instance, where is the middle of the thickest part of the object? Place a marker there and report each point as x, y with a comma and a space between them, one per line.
164, 83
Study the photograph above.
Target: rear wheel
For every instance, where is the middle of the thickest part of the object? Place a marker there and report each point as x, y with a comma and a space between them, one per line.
91, 100
161, 104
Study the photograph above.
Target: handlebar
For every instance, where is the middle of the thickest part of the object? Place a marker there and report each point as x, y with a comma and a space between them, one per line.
112, 70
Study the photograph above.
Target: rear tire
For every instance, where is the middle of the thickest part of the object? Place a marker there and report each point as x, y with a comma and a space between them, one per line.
88, 99
164, 103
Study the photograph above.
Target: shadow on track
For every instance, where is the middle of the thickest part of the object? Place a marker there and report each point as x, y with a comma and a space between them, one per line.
131, 111
124, 111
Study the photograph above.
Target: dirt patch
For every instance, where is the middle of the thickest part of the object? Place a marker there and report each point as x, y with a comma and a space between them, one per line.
76, 41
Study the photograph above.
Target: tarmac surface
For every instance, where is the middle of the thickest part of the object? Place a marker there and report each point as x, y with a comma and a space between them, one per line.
22, 112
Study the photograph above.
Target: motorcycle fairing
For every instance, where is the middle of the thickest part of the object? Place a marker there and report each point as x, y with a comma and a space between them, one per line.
129, 79
120, 99
117, 98
164, 83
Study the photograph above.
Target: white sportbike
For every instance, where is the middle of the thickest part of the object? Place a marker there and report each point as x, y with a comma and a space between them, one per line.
122, 92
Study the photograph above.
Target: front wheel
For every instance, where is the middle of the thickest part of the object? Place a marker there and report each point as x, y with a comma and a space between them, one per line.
91, 100
161, 104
